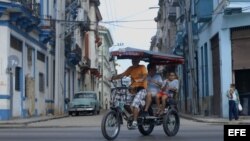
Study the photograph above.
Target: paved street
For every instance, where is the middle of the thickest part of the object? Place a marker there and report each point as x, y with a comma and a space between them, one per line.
189, 131
71, 121
87, 128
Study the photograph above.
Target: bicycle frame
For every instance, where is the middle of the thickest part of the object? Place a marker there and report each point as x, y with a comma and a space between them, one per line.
120, 101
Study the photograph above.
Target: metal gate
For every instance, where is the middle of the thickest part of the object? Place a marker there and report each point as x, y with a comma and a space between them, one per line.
241, 67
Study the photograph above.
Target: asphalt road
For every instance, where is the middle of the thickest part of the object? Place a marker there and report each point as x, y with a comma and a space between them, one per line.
189, 131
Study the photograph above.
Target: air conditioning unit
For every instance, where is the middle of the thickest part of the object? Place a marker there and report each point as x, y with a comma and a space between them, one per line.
232, 10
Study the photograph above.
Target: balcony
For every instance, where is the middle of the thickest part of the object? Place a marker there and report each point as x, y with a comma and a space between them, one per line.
84, 63
178, 51
179, 38
30, 6
174, 3
83, 19
74, 57
204, 10
25, 16
179, 42
171, 14
237, 7
232, 10
74, 12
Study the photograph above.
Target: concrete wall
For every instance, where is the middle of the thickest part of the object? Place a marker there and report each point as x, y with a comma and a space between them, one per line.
4, 78
221, 24
20, 101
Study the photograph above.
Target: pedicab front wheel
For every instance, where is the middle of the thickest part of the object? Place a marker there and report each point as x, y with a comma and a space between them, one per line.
110, 125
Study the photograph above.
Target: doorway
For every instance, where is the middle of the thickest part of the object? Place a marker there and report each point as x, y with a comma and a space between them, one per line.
216, 75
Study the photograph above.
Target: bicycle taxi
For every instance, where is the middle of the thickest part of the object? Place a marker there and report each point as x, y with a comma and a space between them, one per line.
120, 100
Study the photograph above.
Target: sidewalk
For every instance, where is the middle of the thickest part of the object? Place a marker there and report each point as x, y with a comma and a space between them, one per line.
25, 121
209, 119
17, 123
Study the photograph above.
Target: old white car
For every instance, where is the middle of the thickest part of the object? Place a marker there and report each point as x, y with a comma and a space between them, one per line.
84, 102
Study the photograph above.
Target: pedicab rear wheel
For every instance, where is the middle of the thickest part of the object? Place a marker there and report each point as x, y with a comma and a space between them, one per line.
146, 127
171, 122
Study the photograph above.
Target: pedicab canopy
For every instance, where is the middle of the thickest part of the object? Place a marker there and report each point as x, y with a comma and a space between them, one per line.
157, 58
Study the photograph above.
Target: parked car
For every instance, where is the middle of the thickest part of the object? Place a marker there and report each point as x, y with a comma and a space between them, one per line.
84, 102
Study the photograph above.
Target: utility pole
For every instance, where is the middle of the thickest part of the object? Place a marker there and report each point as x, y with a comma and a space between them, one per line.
191, 51
59, 60
102, 76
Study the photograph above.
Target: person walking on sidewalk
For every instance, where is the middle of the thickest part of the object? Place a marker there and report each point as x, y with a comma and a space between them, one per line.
233, 100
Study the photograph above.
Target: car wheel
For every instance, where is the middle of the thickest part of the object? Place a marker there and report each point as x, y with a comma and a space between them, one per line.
95, 112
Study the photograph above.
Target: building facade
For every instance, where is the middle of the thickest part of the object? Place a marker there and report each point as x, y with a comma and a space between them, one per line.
27, 46
213, 37
45, 45
105, 67
223, 51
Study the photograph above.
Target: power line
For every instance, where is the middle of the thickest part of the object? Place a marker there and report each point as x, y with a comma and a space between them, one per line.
145, 20
122, 26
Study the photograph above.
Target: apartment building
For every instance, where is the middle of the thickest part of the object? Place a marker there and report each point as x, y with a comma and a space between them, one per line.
213, 37
45, 45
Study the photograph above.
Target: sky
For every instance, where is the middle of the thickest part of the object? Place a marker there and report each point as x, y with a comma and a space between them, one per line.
131, 23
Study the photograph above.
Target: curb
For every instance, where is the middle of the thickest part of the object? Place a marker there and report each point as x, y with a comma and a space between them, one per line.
17, 124
215, 122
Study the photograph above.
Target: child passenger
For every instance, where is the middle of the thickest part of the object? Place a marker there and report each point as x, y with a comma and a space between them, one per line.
169, 88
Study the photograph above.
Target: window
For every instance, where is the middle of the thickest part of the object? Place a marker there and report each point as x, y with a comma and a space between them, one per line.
85, 95
41, 82
18, 79
16, 43
29, 55
40, 56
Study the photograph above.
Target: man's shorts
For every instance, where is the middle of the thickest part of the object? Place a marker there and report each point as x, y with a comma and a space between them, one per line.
139, 98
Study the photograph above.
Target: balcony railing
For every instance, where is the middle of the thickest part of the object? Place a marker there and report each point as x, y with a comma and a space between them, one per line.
31, 6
